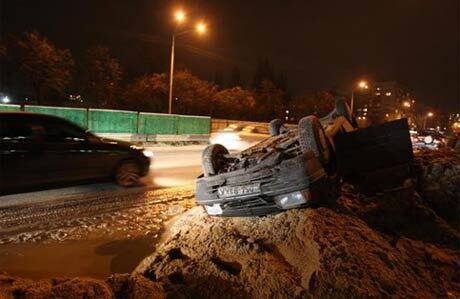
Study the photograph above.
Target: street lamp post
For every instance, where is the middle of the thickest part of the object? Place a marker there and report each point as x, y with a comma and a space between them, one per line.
429, 114
200, 28
363, 85
171, 74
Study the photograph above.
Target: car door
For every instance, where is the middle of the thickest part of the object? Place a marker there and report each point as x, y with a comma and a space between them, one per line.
21, 157
67, 151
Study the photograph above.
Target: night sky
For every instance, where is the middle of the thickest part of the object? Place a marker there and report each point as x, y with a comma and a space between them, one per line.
316, 44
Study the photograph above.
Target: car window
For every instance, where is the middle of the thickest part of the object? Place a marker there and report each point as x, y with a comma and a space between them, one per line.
16, 129
56, 131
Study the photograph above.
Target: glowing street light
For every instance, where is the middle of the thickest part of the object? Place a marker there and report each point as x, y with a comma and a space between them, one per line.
179, 16
200, 28
430, 114
406, 104
363, 84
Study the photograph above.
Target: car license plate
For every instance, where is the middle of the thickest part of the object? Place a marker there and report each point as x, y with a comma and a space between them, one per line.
231, 191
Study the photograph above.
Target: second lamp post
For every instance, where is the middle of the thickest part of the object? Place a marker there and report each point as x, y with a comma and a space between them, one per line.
200, 27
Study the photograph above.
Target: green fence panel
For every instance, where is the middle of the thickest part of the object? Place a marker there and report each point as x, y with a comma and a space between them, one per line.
77, 116
112, 121
154, 123
10, 108
193, 124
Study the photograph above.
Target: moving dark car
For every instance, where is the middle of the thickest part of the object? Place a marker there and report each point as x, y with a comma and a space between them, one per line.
38, 150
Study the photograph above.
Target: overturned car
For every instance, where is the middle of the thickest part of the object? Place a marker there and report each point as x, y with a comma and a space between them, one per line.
296, 167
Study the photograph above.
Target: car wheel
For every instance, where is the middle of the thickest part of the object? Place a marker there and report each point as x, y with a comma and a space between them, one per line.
213, 159
312, 137
127, 174
275, 126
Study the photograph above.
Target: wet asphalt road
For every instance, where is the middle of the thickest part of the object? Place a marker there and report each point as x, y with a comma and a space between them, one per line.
108, 232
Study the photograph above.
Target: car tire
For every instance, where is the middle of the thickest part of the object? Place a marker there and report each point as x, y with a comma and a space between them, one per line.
128, 174
275, 126
213, 159
312, 137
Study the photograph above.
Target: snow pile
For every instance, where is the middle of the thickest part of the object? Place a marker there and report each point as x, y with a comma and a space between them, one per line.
381, 245
439, 183
116, 286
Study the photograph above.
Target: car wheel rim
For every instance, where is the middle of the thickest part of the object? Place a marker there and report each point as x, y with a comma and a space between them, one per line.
128, 178
128, 175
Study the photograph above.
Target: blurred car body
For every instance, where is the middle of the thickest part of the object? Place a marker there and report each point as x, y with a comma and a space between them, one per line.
38, 149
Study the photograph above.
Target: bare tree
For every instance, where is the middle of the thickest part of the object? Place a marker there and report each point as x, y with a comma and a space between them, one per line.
101, 76
147, 93
46, 68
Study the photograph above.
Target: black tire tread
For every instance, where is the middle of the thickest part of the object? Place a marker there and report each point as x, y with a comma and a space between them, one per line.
124, 164
275, 126
210, 158
309, 129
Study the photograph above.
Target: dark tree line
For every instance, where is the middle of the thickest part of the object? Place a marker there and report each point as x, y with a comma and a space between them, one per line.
31, 62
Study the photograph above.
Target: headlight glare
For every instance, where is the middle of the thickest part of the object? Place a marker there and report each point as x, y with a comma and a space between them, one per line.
147, 153
292, 200
428, 139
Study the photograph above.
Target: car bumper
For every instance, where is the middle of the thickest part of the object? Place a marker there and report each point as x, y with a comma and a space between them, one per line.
290, 176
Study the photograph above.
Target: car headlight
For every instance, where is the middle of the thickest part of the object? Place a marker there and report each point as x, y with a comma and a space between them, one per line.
292, 200
147, 153
428, 139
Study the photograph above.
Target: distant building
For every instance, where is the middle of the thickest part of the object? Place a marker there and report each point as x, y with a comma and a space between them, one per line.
384, 101
454, 122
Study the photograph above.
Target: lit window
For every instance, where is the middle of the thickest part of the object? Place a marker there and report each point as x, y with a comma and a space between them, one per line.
365, 109
377, 93
378, 88
388, 94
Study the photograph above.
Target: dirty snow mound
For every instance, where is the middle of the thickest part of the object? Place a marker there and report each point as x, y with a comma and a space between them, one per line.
303, 252
116, 286
402, 242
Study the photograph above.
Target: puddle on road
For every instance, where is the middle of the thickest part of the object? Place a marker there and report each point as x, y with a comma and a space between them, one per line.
93, 238
96, 258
